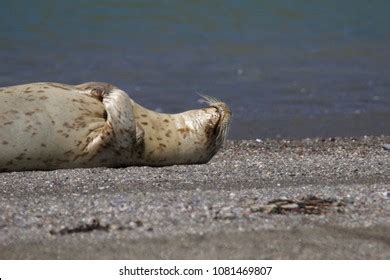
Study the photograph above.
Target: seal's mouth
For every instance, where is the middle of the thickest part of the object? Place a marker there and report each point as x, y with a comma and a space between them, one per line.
221, 129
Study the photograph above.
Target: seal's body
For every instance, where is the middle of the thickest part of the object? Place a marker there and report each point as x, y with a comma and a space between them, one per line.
47, 126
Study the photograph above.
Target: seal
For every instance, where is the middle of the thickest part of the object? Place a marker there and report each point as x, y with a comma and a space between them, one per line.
46, 126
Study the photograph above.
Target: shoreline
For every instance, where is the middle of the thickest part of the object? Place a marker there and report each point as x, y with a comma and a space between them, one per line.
210, 211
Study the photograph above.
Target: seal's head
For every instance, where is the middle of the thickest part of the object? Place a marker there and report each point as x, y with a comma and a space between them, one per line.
217, 128
189, 137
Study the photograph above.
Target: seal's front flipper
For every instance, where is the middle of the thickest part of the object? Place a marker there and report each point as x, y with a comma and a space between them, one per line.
120, 127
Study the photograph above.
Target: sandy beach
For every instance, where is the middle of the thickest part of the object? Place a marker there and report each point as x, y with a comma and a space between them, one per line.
271, 199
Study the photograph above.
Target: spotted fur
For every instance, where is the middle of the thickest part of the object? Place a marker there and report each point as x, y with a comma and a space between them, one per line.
50, 125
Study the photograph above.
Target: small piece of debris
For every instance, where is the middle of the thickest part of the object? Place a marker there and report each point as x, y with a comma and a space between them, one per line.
308, 205
84, 227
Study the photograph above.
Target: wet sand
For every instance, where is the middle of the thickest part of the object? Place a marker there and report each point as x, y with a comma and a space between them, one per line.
225, 209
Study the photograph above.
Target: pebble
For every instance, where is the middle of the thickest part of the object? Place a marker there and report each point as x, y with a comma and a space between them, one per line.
226, 213
386, 147
348, 200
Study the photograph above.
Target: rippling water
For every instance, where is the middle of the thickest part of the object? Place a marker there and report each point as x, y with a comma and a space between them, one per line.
297, 68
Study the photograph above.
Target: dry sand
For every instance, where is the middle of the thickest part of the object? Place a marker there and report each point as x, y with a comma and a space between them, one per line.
213, 211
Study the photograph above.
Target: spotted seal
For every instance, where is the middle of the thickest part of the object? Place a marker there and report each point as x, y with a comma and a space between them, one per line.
45, 126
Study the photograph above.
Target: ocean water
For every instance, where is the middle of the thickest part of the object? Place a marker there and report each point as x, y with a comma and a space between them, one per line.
292, 69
